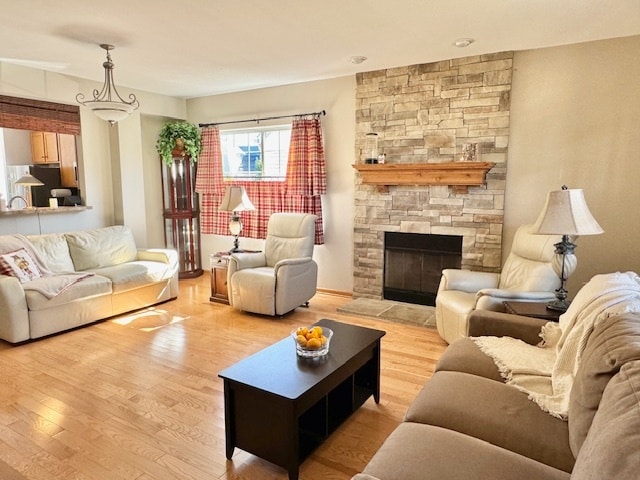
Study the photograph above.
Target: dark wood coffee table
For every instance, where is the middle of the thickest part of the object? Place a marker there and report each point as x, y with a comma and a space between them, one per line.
280, 407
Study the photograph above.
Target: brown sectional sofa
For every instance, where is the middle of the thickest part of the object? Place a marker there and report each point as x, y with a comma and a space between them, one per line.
467, 424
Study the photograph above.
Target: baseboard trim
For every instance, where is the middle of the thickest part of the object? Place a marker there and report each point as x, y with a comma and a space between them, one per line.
337, 293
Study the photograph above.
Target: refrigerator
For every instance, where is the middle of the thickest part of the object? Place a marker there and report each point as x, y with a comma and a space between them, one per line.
50, 176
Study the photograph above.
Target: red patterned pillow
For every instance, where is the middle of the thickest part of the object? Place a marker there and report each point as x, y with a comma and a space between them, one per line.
19, 264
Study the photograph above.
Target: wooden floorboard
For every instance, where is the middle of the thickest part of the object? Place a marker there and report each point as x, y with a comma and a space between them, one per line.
138, 397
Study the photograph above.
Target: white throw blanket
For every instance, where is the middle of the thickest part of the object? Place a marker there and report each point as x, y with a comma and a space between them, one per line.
55, 284
546, 371
50, 284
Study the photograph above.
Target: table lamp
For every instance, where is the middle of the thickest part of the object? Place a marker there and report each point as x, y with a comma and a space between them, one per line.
565, 213
235, 200
28, 181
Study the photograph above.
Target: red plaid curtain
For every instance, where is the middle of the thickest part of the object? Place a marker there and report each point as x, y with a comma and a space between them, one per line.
305, 181
209, 183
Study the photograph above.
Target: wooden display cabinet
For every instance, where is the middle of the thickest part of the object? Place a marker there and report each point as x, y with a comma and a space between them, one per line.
182, 214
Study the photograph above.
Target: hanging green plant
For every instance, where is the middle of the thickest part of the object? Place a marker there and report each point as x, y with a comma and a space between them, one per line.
181, 136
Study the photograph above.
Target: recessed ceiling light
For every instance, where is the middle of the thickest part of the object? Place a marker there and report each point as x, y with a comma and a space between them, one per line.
358, 59
463, 42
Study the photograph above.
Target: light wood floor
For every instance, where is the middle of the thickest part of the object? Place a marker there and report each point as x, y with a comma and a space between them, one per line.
138, 397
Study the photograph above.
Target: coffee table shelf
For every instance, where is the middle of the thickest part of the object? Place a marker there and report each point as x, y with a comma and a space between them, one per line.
281, 407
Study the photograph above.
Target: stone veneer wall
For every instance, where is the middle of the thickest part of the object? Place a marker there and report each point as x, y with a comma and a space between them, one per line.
425, 113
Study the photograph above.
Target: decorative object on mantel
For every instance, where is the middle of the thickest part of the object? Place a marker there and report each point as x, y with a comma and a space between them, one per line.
458, 175
179, 138
371, 148
470, 152
565, 213
104, 105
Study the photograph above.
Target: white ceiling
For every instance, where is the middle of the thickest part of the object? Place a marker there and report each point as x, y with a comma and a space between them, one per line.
192, 48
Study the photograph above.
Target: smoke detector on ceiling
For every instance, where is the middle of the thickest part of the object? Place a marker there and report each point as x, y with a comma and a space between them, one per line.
357, 59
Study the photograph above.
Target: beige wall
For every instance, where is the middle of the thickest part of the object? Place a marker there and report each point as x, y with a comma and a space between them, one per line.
575, 120
151, 126
17, 147
337, 97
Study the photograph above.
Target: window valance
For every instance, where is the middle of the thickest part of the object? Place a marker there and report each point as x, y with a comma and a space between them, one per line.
37, 115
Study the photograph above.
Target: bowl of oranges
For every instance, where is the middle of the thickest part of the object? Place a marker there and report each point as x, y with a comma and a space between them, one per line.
312, 341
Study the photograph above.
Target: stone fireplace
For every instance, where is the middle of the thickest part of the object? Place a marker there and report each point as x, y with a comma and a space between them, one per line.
426, 114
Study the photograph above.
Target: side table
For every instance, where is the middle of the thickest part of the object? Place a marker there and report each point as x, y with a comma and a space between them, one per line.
219, 265
219, 291
532, 309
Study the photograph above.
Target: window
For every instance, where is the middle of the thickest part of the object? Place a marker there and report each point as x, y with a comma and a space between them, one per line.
257, 153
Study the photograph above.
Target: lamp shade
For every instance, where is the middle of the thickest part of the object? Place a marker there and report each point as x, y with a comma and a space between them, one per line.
111, 112
566, 213
235, 200
28, 180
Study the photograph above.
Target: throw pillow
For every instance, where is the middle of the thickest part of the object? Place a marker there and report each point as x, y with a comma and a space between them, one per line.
19, 264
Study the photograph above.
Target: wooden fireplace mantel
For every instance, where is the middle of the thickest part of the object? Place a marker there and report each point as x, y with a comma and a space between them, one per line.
456, 174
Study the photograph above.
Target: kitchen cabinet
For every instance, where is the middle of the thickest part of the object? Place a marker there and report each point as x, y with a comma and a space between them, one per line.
68, 160
44, 147
60, 148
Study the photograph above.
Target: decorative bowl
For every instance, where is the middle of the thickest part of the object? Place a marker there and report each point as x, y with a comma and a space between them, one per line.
312, 341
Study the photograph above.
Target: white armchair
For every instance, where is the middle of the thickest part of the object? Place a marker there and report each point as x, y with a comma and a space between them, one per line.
527, 276
282, 277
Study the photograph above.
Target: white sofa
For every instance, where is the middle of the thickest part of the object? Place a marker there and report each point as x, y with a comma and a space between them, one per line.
81, 277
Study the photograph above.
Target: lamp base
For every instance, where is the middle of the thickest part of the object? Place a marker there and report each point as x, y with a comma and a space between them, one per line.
236, 245
558, 305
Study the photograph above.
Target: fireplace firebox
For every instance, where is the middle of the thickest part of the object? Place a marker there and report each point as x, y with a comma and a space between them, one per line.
413, 264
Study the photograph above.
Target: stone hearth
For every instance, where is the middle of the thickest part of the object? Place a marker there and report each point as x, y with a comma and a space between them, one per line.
397, 312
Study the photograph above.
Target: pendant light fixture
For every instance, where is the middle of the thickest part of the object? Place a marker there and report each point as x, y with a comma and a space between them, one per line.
107, 103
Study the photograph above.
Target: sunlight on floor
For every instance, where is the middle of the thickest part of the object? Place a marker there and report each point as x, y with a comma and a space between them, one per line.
149, 319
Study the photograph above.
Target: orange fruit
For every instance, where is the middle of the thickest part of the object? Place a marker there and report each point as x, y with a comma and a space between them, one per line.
323, 339
302, 340
302, 331
314, 344
317, 331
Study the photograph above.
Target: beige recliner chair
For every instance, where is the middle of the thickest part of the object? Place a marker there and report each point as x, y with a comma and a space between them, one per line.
281, 278
527, 276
